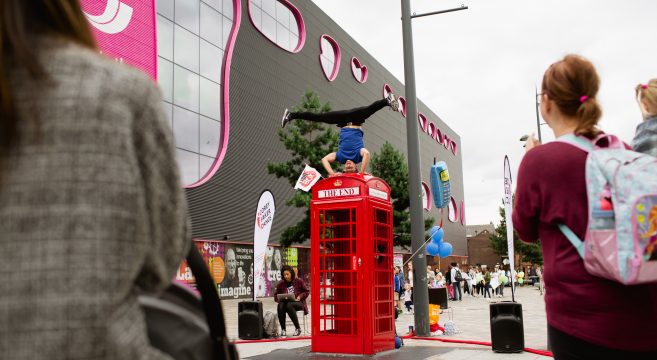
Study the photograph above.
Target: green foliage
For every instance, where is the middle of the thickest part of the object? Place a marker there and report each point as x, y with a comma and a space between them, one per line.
389, 164
308, 142
527, 252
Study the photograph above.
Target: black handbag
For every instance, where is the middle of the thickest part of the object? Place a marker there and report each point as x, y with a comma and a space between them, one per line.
184, 326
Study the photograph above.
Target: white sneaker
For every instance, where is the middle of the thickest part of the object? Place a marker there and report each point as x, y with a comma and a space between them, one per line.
285, 119
392, 102
283, 333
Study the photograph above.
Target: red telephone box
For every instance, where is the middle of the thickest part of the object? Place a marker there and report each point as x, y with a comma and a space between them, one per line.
351, 265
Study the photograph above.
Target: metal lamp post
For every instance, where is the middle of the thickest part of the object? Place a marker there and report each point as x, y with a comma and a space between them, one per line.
421, 294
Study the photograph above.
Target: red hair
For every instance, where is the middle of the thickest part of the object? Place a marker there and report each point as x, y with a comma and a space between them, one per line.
573, 83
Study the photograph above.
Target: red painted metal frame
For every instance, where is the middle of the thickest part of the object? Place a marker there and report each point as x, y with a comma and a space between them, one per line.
359, 261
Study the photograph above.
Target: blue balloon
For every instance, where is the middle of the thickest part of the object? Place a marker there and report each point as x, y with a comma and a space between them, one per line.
433, 249
437, 236
433, 229
445, 249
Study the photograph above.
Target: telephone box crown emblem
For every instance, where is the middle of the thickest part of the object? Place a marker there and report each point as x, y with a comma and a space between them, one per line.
337, 183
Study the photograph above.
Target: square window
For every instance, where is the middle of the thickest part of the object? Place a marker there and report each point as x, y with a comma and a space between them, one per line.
164, 38
282, 13
211, 25
185, 129
188, 165
168, 111
205, 163
210, 135
228, 9
268, 26
294, 26
256, 16
165, 7
211, 60
282, 36
269, 7
165, 78
186, 49
228, 25
210, 99
186, 88
294, 40
187, 13
216, 4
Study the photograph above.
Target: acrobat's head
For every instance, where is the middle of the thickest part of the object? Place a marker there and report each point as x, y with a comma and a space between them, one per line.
350, 167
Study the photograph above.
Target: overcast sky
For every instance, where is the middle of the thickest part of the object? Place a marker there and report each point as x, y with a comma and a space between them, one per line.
477, 69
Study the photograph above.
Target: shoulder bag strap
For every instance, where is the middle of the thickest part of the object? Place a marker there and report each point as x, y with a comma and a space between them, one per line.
211, 306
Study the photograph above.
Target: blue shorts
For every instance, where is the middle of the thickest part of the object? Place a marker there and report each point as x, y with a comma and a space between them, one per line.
351, 141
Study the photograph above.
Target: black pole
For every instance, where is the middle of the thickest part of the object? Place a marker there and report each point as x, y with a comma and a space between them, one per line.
538, 120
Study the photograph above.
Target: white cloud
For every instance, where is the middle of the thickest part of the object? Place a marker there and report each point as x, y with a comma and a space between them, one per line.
477, 68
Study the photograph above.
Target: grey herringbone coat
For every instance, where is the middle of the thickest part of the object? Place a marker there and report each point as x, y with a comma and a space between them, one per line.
91, 208
645, 139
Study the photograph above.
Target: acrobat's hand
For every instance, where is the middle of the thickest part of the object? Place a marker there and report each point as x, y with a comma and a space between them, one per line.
335, 174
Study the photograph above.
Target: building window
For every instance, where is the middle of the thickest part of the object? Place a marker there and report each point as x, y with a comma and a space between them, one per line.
358, 70
280, 22
192, 36
329, 57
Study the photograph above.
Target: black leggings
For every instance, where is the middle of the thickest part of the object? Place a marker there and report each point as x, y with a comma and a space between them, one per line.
291, 308
566, 347
355, 116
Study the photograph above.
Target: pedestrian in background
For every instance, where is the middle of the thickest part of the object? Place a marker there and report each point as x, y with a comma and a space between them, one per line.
92, 210
586, 315
645, 139
431, 276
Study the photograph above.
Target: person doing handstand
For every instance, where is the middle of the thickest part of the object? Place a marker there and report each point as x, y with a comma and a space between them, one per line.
351, 149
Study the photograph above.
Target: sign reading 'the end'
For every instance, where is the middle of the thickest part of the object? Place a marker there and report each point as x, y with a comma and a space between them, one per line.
353, 191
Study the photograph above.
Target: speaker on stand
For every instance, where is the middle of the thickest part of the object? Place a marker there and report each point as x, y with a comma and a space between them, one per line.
249, 320
506, 327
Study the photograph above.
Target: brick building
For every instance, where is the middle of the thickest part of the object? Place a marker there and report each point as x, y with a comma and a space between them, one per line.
478, 243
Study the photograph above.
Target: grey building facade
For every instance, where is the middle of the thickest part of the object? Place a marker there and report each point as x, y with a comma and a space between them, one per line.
229, 68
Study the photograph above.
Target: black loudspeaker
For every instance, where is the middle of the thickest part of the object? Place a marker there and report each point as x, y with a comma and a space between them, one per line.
249, 320
438, 297
506, 329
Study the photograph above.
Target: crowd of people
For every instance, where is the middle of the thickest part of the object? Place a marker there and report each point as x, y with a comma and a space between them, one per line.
476, 281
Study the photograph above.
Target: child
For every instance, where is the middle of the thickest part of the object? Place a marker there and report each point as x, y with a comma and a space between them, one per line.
645, 140
407, 298
351, 149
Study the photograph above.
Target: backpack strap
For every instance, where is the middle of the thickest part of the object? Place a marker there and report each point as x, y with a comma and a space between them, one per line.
570, 235
576, 141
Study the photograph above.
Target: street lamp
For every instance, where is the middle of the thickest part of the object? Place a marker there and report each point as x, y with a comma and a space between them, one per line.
421, 294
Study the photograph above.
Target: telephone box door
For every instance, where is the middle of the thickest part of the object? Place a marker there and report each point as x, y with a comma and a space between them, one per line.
337, 283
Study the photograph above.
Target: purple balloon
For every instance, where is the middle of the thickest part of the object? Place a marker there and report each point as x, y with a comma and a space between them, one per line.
433, 249
444, 249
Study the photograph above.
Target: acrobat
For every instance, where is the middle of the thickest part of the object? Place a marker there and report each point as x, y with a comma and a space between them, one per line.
351, 149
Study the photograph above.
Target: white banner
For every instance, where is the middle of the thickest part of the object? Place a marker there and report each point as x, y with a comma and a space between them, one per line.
264, 218
508, 208
307, 179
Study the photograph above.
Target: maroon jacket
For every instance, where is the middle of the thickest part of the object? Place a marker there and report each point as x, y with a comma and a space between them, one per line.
300, 291
551, 189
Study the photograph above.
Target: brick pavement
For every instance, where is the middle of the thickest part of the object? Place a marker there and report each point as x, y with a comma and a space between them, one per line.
471, 317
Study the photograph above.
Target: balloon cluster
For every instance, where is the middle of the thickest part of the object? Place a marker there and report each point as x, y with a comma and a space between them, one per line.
437, 246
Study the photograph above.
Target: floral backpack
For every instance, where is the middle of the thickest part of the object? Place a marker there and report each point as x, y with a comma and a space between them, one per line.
621, 237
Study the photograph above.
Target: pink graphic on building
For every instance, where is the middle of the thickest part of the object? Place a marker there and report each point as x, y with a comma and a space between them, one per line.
125, 31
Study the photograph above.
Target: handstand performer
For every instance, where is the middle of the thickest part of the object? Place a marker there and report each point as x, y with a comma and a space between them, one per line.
351, 149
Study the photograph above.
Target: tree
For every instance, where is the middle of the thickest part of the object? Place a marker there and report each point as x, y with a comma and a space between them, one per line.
390, 165
527, 252
308, 142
